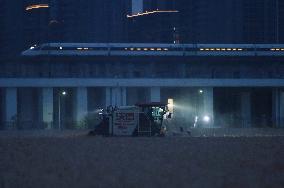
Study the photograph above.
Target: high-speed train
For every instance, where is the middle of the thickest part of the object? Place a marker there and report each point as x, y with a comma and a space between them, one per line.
148, 49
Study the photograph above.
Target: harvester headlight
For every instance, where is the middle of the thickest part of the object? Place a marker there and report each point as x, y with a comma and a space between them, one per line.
206, 119
171, 105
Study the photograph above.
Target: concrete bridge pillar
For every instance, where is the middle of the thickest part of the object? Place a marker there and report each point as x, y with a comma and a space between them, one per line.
155, 94
80, 103
10, 108
246, 109
116, 96
278, 108
46, 107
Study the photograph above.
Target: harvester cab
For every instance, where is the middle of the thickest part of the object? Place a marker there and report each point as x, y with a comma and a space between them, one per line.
140, 120
151, 119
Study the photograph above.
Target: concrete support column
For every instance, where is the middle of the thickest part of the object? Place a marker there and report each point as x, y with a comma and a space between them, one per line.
155, 94
246, 109
116, 96
108, 97
123, 96
278, 108
80, 102
10, 108
46, 107
208, 108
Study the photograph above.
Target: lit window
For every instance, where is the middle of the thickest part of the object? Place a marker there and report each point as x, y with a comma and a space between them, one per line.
37, 6
166, 49
234, 49
218, 49
131, 49
138, 49
223, 49
277, 49
60, 48
86, 48
207, 49
239, 49
79, 48
145, 49
229, 49
201, 49
152, 12
125, 49
212, 49
152, 49
272, 49
159, 49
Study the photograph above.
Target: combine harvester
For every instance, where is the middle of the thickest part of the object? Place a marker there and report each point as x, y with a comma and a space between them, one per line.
139, 120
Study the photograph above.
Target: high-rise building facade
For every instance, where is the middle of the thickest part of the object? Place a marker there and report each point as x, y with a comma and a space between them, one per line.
206, 21
280, 21
36, 21
1, 26
92, 20
79, 20
158, 4
233, 21
260, 21
11, 28
156, 22
25, 23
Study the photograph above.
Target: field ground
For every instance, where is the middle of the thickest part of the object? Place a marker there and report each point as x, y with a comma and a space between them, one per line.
72, 159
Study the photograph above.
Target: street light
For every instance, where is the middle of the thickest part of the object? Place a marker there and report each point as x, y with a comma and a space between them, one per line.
61, 94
